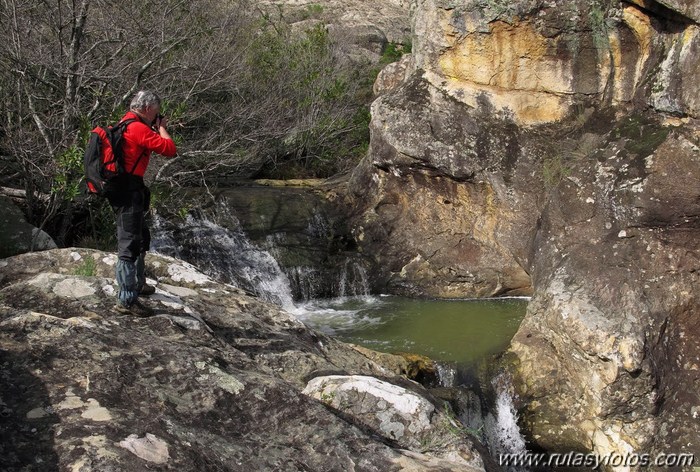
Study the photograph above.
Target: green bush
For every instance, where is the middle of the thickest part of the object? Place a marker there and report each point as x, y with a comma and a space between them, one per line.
320, 101
87, 268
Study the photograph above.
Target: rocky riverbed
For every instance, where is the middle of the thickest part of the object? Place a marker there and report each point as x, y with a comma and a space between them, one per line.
525, 147
216, 380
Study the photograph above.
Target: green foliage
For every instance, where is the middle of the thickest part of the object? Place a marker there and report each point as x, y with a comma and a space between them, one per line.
597, 22
642, 136
242, 89
455, 426
160, 195
392, 51
175, 111
319, 112
327, 398
658, 87
87, 268
69, 168
314, 11
554, 170
500, 8
183, 211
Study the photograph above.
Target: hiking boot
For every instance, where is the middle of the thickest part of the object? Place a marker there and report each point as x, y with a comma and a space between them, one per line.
137, 309
147, 290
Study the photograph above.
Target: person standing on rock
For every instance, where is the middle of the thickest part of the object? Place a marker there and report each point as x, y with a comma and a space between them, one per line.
130, 198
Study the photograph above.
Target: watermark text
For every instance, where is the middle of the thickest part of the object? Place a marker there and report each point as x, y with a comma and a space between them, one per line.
593, 460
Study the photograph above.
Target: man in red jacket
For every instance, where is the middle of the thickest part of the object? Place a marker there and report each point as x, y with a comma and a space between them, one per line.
130, 198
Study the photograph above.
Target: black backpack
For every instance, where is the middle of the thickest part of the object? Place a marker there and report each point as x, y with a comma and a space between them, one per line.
104, 159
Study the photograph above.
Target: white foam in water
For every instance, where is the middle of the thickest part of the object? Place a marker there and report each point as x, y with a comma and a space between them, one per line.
501, 425
229, 255
272, 285
337, 315
446, 374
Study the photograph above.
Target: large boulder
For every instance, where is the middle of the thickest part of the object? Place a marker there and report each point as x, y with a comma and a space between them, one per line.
211, 382
435, 200
616, 302
399, 414
540, 60
554, 147
16, 235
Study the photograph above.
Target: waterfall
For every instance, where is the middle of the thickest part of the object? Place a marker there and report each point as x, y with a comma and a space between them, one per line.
226, 254
353, 280
446, 374
501, 425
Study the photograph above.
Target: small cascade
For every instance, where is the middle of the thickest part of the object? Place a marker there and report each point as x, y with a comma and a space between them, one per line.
226, 254
447, 374
353, 280
501, 424
319, 227
306, 280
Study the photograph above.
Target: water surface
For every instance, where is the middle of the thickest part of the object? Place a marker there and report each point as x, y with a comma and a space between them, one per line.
460, 331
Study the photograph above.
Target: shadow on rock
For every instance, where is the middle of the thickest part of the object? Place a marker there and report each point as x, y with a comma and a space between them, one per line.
26, 419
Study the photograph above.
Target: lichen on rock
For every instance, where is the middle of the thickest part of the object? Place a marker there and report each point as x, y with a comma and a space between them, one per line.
84, 387
552, 148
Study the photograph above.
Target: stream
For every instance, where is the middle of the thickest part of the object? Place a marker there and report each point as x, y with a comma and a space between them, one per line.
457, 334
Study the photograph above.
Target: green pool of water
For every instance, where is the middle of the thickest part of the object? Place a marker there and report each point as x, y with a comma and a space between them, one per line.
460, 331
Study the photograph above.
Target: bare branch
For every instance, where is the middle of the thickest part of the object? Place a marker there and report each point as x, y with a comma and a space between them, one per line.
39, 124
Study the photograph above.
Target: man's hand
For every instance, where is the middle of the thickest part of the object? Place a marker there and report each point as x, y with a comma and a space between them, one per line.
162, 127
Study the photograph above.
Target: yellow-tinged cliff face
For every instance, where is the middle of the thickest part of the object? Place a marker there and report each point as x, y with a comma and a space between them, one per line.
514, 65
536, 68
554, 144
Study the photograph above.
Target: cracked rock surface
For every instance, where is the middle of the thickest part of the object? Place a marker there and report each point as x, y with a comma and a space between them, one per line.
211, 382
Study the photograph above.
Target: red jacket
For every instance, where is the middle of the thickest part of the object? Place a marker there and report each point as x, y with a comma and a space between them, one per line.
139, 141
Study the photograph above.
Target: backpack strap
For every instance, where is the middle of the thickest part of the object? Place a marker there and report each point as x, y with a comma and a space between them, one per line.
137, 162
124, 124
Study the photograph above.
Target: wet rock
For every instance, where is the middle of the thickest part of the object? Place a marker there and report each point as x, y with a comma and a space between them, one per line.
294, 232
467, 407
211, 382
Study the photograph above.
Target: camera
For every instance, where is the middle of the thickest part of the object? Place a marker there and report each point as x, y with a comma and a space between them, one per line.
156, 121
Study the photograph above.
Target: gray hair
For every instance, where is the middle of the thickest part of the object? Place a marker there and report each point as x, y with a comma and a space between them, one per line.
143, 100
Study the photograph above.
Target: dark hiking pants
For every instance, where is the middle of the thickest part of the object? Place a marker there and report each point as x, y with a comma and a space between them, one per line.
130, 200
